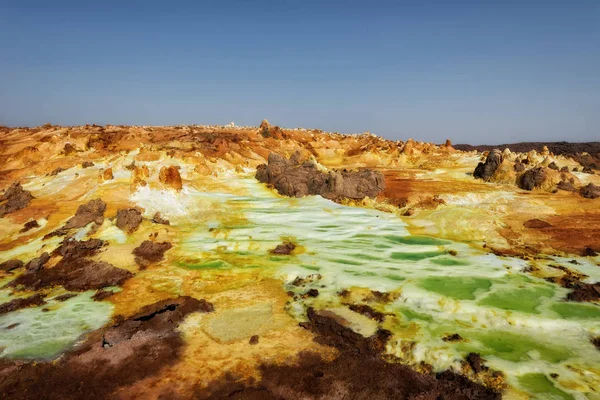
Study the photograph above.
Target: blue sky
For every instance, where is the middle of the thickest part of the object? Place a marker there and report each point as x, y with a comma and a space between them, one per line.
472, 71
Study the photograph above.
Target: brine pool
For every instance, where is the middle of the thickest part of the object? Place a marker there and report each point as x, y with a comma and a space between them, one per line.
520, 324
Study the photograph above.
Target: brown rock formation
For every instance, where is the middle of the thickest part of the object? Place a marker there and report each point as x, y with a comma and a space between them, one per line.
75, 274
71, 248
9, 265
17, 304
566, 186
150, 252
283, 249
170, 177
29, 225
532, 178
14, 198
158, 219
314, 377
492, 162
129, 220
295, 179
590, 191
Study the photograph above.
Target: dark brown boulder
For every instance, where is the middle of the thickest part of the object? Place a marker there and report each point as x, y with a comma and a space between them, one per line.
585, 292
284, 248
9, 265
75, 275
17, 304
150, 252
295, 179
29, 225
590, 191
158, 219
536, 224
129, 219
587, 170
532, 178
92, 211
553, 166
71, 248
519, 167
87, 164
38, 263
14, 198
564, 169
566, 186
492, 162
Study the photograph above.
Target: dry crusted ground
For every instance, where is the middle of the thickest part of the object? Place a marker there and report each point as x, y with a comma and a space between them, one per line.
430, 186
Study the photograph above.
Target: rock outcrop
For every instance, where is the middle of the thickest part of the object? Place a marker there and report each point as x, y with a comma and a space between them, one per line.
150, 252
75, 274
169, 176
294, 178
532, 178
129, 219
492, 162
590, 191
14, 198
92, 211
158, 219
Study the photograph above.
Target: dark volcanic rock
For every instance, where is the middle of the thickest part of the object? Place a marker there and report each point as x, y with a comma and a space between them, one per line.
29, 225
295, 179
102, 294
37, 264
367, 311
158, 219
150, 252
532, 178
14, 198
71, 248
92, 211
132, 349
585, 292
65, 297
492, 162
87, 164
588, 252
536, 224
566, 186
10, 265
358, 372
75, 275
455, 337
17, 304
283, 249
519, 167
587, 170
129, 220
553, 166
57, 171
476, 362
590, 191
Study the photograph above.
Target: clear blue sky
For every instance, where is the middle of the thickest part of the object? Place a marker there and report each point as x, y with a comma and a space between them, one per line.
473, 71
